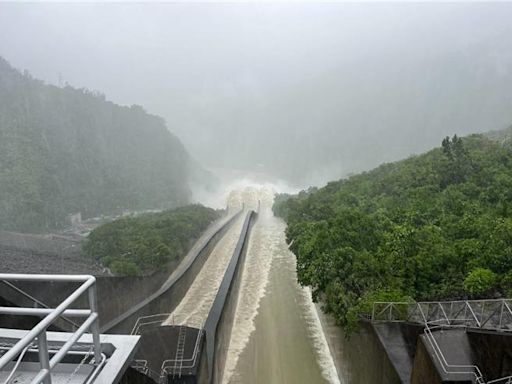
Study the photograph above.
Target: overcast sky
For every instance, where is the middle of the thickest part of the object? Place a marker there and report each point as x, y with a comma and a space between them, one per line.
308, 91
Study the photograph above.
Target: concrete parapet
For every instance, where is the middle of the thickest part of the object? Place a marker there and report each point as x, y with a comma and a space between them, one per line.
121, 300
219, 322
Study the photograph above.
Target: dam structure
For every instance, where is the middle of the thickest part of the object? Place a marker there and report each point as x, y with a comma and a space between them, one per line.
42, 355
227, 313
464, 341
197, 322
183, 346
194, 296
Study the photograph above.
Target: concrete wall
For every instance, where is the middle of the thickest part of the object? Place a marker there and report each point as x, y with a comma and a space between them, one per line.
493, 353
490, 351
121, 300
364, 359
169, 296
424, 370
219, 323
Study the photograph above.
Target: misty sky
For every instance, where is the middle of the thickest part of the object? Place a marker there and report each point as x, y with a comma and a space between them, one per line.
307, 92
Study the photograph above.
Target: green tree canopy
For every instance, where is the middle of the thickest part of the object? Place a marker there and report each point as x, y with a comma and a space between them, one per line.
434, 226
143, 244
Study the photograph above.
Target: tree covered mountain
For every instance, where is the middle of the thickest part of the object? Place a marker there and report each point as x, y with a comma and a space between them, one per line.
433, 226
67, 150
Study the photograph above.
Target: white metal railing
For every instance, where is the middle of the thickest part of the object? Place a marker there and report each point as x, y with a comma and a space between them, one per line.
503, 380
141, 366
493, 315
169, 366
166, 319
461, 369
36, 301
145, 321
49, 316
172, 364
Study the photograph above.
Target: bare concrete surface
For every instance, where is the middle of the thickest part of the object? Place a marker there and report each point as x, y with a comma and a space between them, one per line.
392, 339
456, 349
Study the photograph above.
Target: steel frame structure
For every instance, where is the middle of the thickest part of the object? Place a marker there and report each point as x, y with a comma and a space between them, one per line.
494, 315
49, 315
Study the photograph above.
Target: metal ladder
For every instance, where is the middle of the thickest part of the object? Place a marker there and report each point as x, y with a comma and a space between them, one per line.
180, 351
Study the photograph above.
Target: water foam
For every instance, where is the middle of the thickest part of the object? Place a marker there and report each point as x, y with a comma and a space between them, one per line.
314, 327
267, 243
195, 306
317, 335
254, 278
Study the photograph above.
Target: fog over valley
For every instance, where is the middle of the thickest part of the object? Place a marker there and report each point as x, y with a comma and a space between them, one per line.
302, 92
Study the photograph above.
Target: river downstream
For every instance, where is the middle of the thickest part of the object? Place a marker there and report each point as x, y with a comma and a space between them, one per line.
277, 336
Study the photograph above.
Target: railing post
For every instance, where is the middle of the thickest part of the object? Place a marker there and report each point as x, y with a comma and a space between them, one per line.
44, 358
95, 328
482, 314
501, 314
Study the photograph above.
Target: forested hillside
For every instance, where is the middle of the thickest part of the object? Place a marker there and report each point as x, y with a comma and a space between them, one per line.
67, 150
141, 245
429, 227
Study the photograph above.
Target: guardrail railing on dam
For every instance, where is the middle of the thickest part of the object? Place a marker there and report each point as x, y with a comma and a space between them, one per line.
50, 315
490, 315
495, 315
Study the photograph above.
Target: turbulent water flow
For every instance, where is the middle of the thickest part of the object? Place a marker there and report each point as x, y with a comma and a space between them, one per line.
277, 336
195, 306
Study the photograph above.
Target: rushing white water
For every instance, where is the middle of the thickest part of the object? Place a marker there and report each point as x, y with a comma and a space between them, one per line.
325, 359
254, 280
268, 251
276, 336
195, 306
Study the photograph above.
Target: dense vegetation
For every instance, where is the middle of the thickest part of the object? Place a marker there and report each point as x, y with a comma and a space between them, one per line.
433, 226
67, 150
140, 245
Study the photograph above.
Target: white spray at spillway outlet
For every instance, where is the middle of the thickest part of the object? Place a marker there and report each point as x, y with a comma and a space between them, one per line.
220, 196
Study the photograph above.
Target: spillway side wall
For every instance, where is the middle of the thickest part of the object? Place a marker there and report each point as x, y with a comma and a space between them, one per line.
116, 295
219, 323
168, 297
424, 370
359, 357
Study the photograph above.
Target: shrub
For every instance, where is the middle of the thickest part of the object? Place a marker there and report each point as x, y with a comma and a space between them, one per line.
480, 281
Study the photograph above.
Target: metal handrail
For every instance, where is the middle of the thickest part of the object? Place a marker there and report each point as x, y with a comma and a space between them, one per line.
471, 369
436, 313
35, 300
140, 365
503, 380
165, 364
38, 332
474, 312
140, 321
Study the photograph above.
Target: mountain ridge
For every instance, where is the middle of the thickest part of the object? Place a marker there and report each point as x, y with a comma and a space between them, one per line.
67, 150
